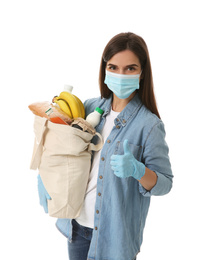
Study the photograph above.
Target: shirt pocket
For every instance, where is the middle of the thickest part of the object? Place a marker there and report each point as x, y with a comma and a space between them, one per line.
134, 148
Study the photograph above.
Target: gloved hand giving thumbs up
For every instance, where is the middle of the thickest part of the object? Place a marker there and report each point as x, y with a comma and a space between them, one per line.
126, 165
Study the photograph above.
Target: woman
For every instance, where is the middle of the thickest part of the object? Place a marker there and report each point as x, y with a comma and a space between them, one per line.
133, 164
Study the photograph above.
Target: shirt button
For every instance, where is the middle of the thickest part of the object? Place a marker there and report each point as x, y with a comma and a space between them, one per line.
108, 141
117, 119
96, 228
124, 121
99, 194
102, 159
117, 126
97, 211
100, 177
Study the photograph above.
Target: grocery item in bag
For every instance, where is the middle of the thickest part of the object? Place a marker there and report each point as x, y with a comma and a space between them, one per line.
92, 120
95, 117
63, 108
40, 109
69, 103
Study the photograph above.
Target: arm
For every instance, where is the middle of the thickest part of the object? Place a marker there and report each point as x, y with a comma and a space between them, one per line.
126, 165
154, 174
156, 160
149, 180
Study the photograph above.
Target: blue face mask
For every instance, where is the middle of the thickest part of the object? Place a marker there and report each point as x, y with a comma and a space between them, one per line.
122, 85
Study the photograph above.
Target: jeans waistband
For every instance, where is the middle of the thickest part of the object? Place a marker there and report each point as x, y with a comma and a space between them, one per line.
81, 230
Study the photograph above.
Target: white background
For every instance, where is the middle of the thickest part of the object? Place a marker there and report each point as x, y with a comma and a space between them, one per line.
45, 44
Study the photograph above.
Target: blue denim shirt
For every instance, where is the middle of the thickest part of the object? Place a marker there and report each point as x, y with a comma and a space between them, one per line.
122, 203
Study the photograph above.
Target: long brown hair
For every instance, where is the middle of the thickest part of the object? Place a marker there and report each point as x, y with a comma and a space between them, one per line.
134, 43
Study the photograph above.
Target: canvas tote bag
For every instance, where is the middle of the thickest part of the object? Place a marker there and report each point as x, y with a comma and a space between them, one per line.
63, 156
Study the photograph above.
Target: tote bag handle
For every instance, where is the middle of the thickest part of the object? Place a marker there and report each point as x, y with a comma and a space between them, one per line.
96, 147
38, 144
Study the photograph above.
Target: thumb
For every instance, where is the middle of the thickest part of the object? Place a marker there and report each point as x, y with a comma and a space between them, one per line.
126, 147
47, 195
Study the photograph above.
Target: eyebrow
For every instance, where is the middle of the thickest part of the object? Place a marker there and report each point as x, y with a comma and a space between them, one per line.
131, 65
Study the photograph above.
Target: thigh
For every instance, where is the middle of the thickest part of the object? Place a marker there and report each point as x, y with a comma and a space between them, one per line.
81, 239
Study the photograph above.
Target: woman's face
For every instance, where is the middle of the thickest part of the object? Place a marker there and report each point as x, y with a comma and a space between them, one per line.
124, 62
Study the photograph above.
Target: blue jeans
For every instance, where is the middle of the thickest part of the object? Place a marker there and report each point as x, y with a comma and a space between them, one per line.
81, 239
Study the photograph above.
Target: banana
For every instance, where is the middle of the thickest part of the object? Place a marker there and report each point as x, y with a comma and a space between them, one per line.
64, 106
73, 103
81, 106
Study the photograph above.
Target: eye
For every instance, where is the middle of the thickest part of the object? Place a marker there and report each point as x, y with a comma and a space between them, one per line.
111, 67
131, 69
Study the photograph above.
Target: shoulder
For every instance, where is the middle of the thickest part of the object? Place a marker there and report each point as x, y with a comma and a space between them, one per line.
91, 104
147, 117
149, 122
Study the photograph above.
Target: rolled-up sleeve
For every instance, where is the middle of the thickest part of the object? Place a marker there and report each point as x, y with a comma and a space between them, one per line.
156, 158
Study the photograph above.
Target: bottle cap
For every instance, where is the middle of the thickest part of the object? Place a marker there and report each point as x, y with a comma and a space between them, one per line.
99, 110
68, 88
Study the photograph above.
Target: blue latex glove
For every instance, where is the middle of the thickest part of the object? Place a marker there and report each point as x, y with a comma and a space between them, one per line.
126, 165
43, 194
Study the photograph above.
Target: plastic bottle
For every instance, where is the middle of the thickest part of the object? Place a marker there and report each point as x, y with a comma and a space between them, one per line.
68, 88
94, 117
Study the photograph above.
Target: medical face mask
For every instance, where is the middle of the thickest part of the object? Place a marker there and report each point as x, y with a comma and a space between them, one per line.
122, 85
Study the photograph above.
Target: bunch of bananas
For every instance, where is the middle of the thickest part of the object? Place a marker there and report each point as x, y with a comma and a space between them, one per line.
70, 104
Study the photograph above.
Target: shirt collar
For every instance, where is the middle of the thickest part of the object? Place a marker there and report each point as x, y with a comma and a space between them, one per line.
127, 113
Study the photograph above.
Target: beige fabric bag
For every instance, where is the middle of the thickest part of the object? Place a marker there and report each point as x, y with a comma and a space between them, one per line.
63, 156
